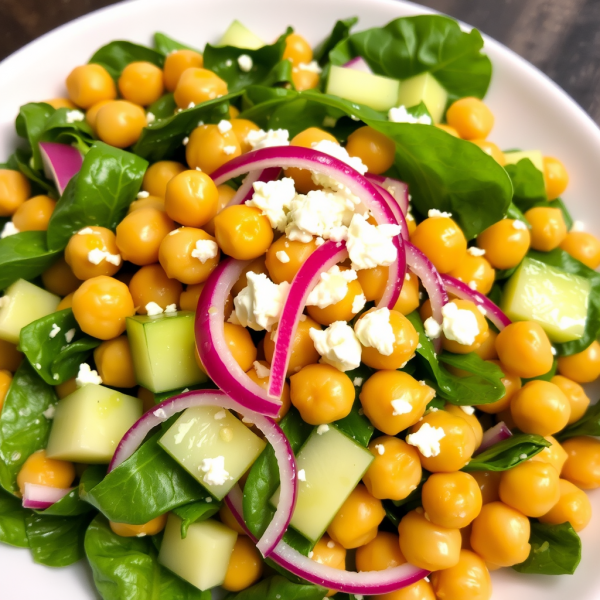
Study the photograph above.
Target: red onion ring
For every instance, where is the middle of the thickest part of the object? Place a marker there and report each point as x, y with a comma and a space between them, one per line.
398, 189
246, 190
398, 214
61, 162
497, 433
133, 439
358, 63
40, 497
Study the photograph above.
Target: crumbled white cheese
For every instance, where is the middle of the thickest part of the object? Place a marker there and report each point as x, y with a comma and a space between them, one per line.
380, 449
301, 475
339, 152
74, 116
205, 250
427, 440
260, 303
468, 409
220, 415
268, 139
358, 303
87, 375
523, 456
401, 405
434, 212
312, 67
553, 350
229, 150
153, 309
374, 330
8, 230
140, 196
369, 245
49, 412
475, 251
150, 118
54, 331
578, 226
214, 469
332, 287
399, 114
96, 256
357, 381
519, 225
224, 126
282, 256
459, 325
261, 370
433, 329
321, 429
171, 308
191, 105
185, 141
337, 345
319, 241
89, 230
245, 62
274, 199
70, 335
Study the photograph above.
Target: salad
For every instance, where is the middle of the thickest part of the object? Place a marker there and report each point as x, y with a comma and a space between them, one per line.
284, 321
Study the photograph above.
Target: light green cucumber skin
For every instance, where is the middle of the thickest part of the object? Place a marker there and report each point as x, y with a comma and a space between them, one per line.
424, 88
535, 156
239, 36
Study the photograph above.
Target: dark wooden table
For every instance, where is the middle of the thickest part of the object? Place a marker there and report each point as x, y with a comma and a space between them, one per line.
561, 37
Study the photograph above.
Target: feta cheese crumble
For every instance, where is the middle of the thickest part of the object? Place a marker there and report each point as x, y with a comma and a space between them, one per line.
369, 245
49, 412
261, 370
214, 469
171, 308
89, 230
401, 406
321, 429
301, 475
205, 250
185, 141
427, 440
87, 375
153, 309
399, 114
332, 287
8, 230
357, 381
224, 126
74, 116
150, 118
140, 196
337, 345
339, 152
96, 256
374, 330
220, 415
229, 150
523, 456
358, 303
380, 449
468, 409
475, 251
268, 139
459, 325
245, 62
70, 335
274, 199
434, 212
55, 330
312, 67
282, 256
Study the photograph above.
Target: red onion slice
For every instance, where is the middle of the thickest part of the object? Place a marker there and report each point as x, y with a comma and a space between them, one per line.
497, 433
61, 162
395, 208
398, 189
40, 497
246, 190
286, 461
365, 583
358, 64
492, 311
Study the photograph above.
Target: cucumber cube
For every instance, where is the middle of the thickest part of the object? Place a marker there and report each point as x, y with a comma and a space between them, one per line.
555, 299
205, 434
424, 88
163, 350
380, 93
333, 464
89, 424
535, 156
23, 303
202, 558
240, 36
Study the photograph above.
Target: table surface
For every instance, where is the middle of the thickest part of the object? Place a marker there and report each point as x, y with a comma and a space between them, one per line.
561, 37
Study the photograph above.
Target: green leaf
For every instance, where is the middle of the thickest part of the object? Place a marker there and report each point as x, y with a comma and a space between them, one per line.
340, 32
528, 185
161, 139
427, 43
70, 505
164, 107
23, 427
30, 124
127, 568
589, 424
276, 588
114, 57
12, 521
165, 45
145, 486
59, 129
555, 550
58, 358
99, 194
196, 511
508, 453
39, 183
24, 255
90, 478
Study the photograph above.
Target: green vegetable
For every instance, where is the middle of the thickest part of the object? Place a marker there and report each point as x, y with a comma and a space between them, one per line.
555, 550
589, 424
30, 124
196, 511
128, 568
114, 57
528, 184
165, 45
59, 129
90, 478
276, 588
58, 358
427, 43
145, 486
164, 107
99, 194
23, 427
39, 184
508, 453
340, 32
12, 521
24, 255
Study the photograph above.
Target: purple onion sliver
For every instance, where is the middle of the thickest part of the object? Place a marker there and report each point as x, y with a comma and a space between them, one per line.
61, 163
398, 189
358, 63
246, 190
497, 433
395, 208
40, 497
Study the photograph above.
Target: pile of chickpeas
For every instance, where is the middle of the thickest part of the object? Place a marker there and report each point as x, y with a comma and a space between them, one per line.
469, 523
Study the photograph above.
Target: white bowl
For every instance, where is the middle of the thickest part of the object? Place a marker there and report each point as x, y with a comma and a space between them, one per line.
531, 112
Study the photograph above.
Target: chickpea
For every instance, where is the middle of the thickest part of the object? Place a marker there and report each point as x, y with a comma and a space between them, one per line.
375, 149
297, 50
151, 284
120, 123
573, 507
575, 394
14, 190
471, 419
264, 383
382, 552
297, 254
209, 148
66, 302
91, 114
489, 485
456, 447
500, 535
344, 310
421, 590
191, 198
100, 306
492, 150
256, 266
512, 384
505, 243
66, 388
152, 527
548, 228
584, 247
373, 282
450, 130
442, 241
176, 63
158, 176
468, 580
225, 196
89, 84
234, 112
41, 470
553, 455
582, 466
189, 298
5, 381
395, 472
482, 327
147, 398
394, 400
34, 214
84, 245
197, 85
356, 523
114, 363
241, 128
487, 350
303, 348
476, 272
59, 103
540, 407
525, 350
329, 553
149, 202
471, 118
304, 79
408, 301
245, 565
243, 232
556, 177
583, 367
141, 83
228, 519
240, 345
60, 279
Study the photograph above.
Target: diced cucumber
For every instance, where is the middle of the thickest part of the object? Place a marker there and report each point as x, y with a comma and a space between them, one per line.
333, 464
89, 424
23, 303
427, 89
380, 93
557, 300
202, 558
240, 36
163, 350
535, 156
205, 433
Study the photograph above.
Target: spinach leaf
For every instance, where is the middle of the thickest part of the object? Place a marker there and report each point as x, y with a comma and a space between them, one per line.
589, 424
508, 453
427, 43
165, 45
340, 32
223, 60
59, 129
99, 194
128, 568
196, 511
161, 139
558, 203
24, 255
70, 505
114, 57
276, 587
146, 485
164, 107
23, 427
90, 478
559, 258
56, 541
555, 550
528, 184
30, 124
12, 521
39, 184
58, 358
